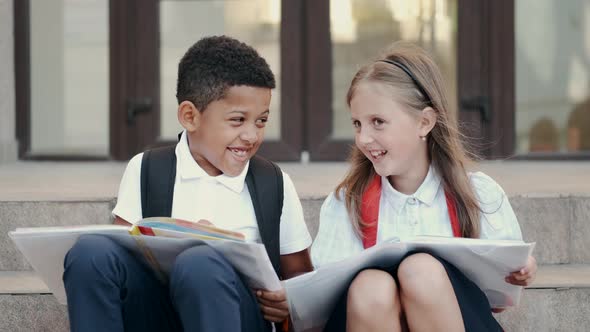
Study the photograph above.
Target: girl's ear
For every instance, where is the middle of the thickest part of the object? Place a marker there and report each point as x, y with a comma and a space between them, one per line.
428, 119
188, 116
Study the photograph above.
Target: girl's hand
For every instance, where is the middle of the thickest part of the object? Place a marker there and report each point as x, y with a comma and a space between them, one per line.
273, 305
526, 275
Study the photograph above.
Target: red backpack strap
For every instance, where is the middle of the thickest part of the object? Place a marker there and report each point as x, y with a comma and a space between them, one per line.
370, 212
451, 206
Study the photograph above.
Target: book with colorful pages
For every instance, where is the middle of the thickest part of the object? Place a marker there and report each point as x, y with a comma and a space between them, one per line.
178, 228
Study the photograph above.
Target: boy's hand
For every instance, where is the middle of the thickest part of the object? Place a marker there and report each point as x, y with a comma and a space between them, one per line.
526, 275
273, 305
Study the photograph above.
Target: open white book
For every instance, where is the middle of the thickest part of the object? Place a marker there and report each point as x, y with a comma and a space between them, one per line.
45, 249
312, 296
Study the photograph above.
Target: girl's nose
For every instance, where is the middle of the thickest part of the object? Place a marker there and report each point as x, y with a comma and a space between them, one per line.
364, 137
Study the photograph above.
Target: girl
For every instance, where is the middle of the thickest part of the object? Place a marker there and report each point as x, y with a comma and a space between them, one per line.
408, 177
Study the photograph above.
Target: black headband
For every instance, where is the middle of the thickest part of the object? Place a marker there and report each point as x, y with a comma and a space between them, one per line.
409, 73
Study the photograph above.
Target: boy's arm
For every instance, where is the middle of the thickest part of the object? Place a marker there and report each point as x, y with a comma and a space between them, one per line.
293, 236
274, 305
295, 264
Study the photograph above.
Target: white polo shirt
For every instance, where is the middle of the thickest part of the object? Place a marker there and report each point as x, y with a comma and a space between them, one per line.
225, 201
405, 216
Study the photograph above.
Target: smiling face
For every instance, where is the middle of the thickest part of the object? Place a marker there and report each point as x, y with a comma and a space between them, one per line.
386, 132
224, 136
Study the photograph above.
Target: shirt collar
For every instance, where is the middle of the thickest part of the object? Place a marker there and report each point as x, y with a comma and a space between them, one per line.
426, 193
188, 168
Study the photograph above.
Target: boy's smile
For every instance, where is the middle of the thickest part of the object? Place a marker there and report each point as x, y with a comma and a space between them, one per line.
229, 131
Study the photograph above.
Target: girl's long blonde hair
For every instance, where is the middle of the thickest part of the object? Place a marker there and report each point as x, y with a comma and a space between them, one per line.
445, 144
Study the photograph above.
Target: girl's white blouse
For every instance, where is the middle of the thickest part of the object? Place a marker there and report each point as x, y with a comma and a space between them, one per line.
405, 216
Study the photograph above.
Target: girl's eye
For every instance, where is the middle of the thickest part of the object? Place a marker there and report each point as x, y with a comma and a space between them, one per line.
378, 122
356, 124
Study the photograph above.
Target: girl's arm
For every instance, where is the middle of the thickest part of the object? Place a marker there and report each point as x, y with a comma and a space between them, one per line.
335, 239
498, 221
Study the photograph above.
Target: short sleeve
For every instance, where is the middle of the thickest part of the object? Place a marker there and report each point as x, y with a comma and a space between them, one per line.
498, 221
336, 239
294, 235
129, 199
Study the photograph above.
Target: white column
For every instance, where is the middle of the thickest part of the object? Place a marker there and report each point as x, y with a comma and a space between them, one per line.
47, 76
8, 143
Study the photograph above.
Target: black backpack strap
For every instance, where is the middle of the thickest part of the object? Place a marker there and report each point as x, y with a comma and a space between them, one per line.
265, 184
264, 180
158, 172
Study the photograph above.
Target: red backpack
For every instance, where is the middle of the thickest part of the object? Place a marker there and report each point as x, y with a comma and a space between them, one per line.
370, 212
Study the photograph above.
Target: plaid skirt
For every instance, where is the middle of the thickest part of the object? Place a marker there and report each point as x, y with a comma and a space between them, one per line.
474, 305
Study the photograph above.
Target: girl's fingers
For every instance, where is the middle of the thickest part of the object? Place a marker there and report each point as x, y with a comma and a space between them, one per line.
513, 281
524, 276
519, 276
531, 265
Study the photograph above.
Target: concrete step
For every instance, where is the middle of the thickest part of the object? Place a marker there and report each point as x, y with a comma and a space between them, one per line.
558, 300
32, 312
559, 224
14, 214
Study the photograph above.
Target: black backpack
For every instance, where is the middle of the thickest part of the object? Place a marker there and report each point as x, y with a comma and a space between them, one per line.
264, 180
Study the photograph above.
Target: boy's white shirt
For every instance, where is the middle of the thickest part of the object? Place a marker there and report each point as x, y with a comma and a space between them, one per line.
406, 216
225, 201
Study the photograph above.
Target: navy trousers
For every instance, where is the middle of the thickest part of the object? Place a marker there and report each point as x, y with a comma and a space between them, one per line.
108, 289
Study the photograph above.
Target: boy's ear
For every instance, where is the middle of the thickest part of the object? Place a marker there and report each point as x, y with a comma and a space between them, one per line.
188, 116
428, 119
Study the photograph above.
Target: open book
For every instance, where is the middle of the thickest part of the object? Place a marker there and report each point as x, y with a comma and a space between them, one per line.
155, 241
312, 296
177, 228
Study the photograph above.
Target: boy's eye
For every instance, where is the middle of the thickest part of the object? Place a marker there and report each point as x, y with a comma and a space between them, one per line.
356, 124
261, 122
237, 120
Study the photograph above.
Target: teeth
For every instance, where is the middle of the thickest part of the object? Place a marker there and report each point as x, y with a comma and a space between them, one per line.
377, 154
239, 152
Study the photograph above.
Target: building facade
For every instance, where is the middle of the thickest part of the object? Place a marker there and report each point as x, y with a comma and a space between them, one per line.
95, 79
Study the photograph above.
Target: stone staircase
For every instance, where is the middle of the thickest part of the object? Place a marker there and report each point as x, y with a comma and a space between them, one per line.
552, 211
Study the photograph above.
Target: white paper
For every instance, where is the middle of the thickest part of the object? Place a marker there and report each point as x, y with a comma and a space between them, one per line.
312, 296
45, 249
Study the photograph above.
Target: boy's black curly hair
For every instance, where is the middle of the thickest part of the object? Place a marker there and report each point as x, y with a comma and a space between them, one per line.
214, 64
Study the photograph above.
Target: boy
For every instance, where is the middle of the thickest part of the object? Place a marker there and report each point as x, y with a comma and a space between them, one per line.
223, 91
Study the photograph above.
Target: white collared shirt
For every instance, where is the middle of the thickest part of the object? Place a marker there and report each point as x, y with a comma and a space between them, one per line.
223, 200
406, 216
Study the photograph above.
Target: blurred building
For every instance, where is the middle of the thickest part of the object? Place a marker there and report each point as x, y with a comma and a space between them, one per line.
95, 79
